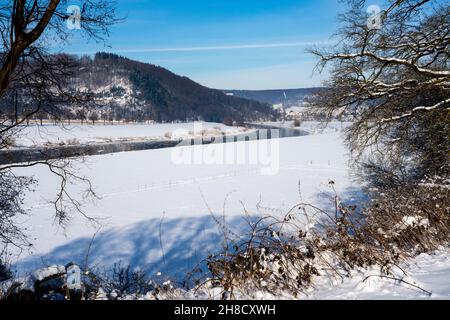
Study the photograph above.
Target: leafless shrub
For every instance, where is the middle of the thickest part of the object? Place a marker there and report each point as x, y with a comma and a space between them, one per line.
127, 280
5, 268
12, 191
228, 121
284, 255
123, 282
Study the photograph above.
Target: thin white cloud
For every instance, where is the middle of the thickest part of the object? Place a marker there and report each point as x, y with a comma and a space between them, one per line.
218, 48
292, 75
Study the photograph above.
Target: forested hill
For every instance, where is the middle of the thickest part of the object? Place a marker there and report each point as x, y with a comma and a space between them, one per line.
141, 91
284, 96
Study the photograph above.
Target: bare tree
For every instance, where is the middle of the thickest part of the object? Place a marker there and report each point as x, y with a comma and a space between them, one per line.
390, 73
93, 117
35, 83
81, 115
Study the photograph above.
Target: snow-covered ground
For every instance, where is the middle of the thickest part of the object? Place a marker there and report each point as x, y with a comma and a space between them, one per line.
138, 189
429, 272
158, 215
427, 277
37, 135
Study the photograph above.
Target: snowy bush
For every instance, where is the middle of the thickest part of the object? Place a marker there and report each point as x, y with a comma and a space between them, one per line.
284, 255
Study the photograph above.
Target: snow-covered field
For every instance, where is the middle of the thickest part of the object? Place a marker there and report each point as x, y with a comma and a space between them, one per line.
158, 215
138, 189
37, 135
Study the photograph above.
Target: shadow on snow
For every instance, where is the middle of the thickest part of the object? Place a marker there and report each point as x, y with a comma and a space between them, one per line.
173, 247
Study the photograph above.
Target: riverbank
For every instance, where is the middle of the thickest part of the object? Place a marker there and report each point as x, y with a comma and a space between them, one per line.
76, 149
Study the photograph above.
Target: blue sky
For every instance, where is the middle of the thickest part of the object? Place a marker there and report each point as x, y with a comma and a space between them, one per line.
239, 44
